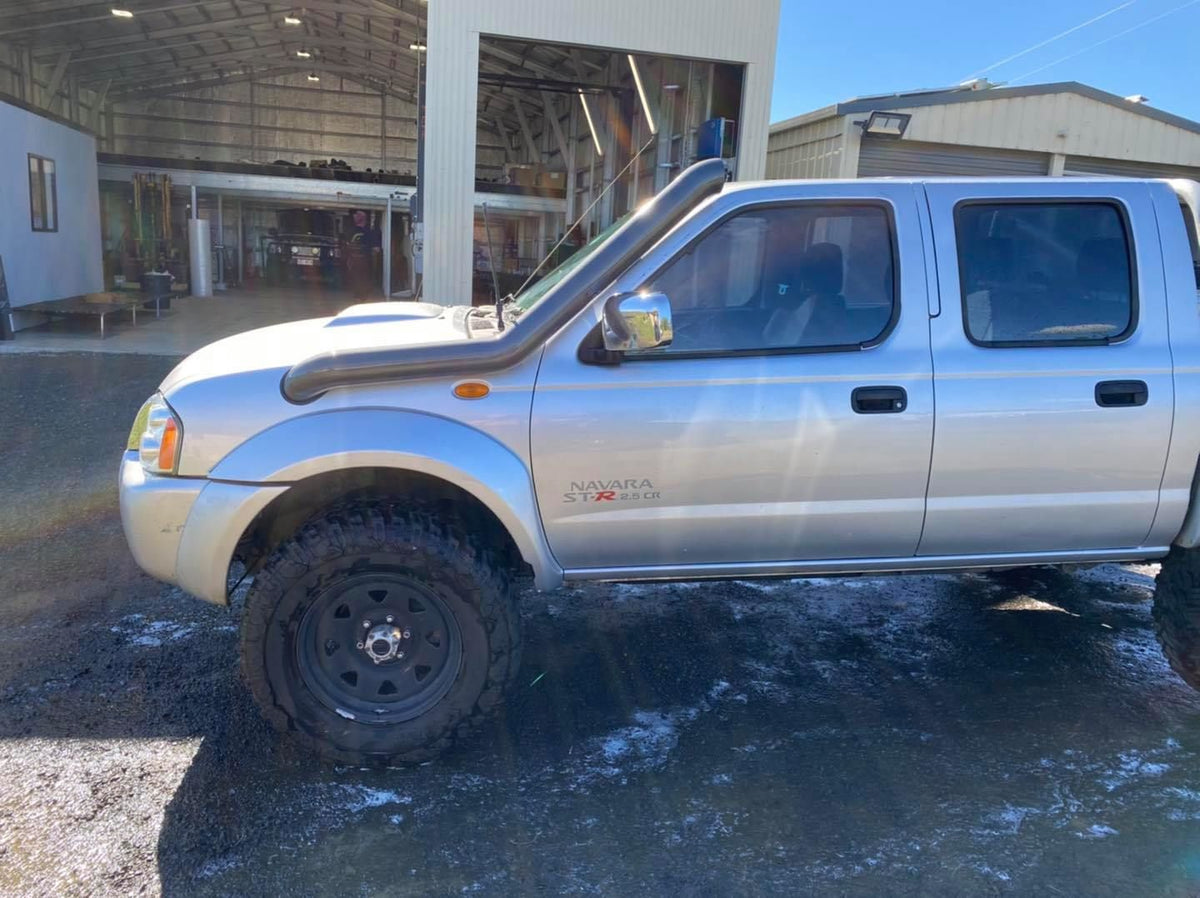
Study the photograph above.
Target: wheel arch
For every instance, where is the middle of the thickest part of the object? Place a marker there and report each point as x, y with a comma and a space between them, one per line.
328, 457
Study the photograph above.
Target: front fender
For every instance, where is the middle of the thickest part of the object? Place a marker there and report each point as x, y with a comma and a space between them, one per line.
300, 448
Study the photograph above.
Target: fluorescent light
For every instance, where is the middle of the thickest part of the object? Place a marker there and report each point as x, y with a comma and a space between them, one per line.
417, 46
121, 13
587, 113
641, 91
303, 54
313, 76
290, 20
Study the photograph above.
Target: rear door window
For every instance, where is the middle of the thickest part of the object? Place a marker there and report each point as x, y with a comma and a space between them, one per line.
1045, 273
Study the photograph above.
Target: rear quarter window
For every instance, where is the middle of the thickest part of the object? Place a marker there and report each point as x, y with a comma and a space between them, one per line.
1045, 273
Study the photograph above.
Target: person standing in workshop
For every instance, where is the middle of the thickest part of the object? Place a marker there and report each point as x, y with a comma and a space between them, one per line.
361, 249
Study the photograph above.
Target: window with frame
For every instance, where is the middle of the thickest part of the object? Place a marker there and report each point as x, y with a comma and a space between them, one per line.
1189, 225
1045, 273
802, 277
43, 194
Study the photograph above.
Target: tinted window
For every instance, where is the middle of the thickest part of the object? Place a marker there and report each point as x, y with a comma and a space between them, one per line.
799, 277
1044, 272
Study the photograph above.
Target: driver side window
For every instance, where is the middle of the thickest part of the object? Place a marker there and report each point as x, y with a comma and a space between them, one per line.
808, 276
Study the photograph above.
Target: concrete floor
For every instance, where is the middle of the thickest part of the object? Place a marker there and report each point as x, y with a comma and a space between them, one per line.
886, 736
190, 323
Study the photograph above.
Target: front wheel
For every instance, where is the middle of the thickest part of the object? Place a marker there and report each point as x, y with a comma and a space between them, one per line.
1177, 612
378, 635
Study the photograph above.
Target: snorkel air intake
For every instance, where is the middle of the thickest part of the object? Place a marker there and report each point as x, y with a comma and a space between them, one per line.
320, 373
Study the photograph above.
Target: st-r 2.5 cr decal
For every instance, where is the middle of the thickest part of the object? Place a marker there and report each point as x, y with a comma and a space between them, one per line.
627, 490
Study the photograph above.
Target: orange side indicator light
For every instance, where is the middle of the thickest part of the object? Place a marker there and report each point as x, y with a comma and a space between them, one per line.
471, 389
168, 446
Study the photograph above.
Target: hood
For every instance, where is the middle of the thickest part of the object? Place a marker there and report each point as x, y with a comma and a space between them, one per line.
376, 324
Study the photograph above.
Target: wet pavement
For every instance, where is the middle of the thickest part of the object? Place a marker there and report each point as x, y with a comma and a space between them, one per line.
921, 735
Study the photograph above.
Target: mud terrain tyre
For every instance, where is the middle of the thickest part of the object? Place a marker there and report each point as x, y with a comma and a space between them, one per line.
1177, 612
379, 635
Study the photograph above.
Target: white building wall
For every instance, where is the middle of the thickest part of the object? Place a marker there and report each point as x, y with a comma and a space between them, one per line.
717, 30
48, 265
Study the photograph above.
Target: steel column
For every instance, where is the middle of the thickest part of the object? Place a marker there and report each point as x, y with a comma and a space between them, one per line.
241, 247
220, 247
387, 250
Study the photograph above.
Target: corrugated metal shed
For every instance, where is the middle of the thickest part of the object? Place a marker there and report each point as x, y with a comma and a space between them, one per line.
807, 150
1046, 129
235, 82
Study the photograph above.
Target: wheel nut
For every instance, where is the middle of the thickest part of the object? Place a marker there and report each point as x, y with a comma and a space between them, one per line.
390, 619
408, 634
361, 645
366, 625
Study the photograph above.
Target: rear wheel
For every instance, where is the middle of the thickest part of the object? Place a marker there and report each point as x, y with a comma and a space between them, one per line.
1177, 612
379, 635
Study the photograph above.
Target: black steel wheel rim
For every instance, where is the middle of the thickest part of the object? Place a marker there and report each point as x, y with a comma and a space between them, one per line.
334, 651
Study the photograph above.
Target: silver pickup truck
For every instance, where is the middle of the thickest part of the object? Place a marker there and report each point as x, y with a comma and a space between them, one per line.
759, 380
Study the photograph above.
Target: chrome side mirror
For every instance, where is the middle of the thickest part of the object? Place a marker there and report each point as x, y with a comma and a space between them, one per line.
634, 321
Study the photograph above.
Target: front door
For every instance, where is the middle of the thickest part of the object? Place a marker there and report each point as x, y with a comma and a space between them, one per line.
1052, 369
790, 419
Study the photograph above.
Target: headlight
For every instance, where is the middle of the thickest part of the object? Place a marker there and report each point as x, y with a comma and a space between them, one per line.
156, 435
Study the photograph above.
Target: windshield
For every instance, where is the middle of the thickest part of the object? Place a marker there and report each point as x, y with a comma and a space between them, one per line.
535, 293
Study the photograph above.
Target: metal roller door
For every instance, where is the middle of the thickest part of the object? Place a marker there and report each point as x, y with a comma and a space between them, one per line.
1085, 165
880, 158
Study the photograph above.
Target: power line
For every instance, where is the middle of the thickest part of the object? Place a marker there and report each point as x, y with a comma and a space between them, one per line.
1150, 21
1050, 40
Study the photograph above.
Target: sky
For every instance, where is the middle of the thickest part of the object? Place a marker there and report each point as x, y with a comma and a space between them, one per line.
831, 51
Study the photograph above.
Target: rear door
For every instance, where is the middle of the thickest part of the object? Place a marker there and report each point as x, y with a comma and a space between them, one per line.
1052, 371
791, 418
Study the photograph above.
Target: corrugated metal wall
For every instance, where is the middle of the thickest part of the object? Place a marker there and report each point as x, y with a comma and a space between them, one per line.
17, 82
881, 158
813, 150
10, 71
1061, 122
1092, 166
286, 117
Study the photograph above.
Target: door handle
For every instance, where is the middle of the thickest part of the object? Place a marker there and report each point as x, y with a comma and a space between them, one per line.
878, 400
1112, 393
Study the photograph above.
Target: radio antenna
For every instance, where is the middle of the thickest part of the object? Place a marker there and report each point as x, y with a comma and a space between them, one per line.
492, 265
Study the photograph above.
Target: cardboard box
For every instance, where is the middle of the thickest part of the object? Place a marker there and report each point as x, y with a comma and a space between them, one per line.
522, 175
